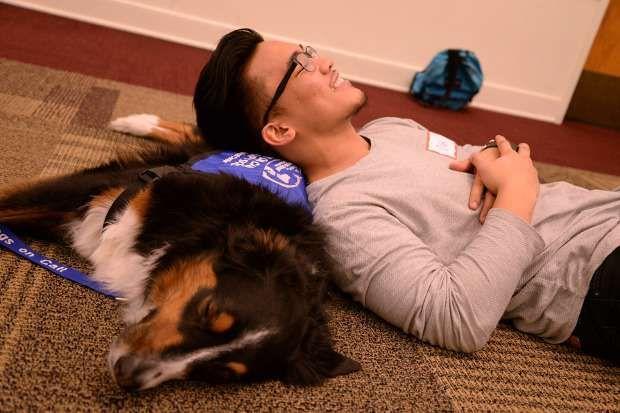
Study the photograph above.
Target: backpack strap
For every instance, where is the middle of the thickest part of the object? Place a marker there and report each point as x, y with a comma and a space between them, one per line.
454, 60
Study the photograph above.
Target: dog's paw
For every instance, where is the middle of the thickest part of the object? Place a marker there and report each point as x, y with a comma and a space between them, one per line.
139, 125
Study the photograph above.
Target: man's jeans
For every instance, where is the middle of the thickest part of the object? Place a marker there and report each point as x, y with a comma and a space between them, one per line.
598, 327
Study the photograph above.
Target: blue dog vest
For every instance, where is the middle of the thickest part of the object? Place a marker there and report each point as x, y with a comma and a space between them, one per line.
280, 177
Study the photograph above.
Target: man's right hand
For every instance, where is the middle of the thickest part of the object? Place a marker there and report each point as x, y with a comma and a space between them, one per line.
511, 177
478, 194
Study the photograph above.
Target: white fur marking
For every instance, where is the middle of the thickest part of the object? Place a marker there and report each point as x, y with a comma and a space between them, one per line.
175, 368
139, 125
111, 252
135, 310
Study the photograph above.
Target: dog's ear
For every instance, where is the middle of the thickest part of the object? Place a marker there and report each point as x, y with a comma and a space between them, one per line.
315, 360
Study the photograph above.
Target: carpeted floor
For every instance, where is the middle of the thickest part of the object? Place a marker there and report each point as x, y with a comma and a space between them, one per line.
54, 335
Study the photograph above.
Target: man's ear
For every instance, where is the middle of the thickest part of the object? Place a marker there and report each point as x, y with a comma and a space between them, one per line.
278, 134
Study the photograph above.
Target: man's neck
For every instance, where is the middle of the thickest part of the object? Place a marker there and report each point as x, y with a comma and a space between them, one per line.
327, 155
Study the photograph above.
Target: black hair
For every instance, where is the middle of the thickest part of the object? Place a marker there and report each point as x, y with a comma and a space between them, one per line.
225, 103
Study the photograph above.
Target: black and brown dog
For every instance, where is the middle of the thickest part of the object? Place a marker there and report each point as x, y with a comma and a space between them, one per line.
224, 281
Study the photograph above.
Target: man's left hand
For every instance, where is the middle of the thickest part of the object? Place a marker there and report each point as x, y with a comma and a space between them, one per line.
478, 190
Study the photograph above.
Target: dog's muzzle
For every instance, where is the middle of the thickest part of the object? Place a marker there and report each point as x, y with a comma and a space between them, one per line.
127, 370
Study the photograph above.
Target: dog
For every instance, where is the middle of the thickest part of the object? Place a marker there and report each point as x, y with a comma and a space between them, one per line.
223, 280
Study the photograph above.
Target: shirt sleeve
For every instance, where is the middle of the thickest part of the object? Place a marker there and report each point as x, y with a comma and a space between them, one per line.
455, 305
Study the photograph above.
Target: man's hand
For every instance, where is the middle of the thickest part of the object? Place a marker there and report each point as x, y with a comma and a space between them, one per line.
478, 191
511, 177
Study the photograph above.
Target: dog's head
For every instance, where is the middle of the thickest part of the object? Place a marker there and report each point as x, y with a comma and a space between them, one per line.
250, 310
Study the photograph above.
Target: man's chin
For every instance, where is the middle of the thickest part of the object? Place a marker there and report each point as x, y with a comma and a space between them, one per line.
360, 104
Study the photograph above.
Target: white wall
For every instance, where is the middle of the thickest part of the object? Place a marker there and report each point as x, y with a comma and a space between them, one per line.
532, 51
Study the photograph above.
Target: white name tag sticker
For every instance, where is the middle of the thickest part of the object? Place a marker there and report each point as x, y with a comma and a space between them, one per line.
441, 145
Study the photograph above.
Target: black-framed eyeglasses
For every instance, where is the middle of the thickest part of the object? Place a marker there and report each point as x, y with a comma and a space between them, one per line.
305, 59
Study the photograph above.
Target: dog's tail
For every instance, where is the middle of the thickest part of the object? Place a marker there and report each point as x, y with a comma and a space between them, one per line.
153, 127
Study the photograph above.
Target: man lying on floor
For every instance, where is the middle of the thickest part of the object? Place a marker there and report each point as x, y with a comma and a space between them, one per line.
416, 250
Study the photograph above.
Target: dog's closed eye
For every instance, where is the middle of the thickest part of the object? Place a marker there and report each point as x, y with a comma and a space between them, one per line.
213, 319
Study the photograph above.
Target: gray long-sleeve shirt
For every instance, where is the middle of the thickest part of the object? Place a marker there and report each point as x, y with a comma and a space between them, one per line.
415, 254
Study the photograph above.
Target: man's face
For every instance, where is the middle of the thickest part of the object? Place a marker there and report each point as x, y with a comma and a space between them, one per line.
313, 101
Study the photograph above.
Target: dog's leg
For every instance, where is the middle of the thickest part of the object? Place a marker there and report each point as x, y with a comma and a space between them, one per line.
151, 126
43, 207
35, 208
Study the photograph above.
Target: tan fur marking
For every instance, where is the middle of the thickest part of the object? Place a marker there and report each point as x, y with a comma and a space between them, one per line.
167, 136
237, 367
106, 198
171, 292
190, 275
174, 133
182, 132
154, 337
141, 202
222, 322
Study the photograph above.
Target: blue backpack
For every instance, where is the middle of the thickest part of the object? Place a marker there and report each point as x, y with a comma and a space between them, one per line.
450, 81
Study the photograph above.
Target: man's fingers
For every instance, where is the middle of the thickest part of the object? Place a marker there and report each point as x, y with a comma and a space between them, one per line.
489, 200
524, 149
475, 195
503, 145
461, 166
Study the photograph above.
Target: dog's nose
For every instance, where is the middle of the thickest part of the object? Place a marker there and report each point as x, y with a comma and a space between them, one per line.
125, 370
